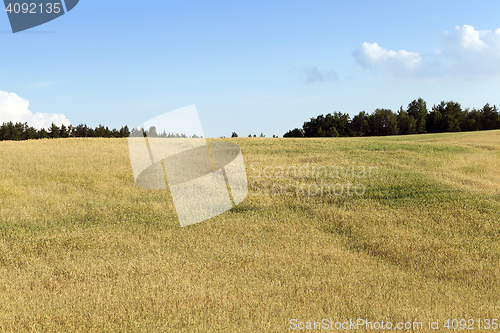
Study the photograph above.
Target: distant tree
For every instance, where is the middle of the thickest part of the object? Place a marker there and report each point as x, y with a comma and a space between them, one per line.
312, 128
254, 136
30, 133
4, 132
9, 132
152, 132
406, 124
418, 110
81, 131
63, 131
434, 121
330, 132
43, 134
262, 135
489, 118
136, 133
320, 126
234, 135
91, 133
359, 124
295, 133
125, 132
445, 117
472, 120
454, 116
16, 131
383, 122
100, 131
341, 123
330, 125
19, 130
495, 109
54, 131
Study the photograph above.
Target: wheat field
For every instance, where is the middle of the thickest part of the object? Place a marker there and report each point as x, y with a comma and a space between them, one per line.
83, 249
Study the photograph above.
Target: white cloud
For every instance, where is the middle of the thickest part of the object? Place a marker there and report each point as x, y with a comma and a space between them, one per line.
468, 53
369, 54
473, 54
470, 38
14, 108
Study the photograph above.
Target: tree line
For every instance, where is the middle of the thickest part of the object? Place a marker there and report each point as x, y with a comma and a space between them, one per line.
22, 131
415, 119
152, 132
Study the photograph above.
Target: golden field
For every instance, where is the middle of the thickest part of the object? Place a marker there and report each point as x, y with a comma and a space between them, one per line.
83, 249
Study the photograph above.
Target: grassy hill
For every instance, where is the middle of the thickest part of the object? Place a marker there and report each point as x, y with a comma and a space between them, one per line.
84, 249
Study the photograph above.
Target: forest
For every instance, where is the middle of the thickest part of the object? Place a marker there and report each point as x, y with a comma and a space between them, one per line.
415, 119
22, 131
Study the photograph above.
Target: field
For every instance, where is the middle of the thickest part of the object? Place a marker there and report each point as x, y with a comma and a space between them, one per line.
83, 249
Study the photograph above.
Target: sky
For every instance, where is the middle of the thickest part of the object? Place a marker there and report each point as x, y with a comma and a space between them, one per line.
249, 67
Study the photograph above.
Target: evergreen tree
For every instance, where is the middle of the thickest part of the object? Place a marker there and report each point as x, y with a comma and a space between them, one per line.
19, 131
5, 133
418, 110
43, 134
125, 132
406, 124
295, 133
472, 120
53, 131
30, 133
489, 118
383, 122
359, 124
63, 132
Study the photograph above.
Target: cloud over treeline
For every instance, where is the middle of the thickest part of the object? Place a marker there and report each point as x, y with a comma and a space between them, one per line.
16, 109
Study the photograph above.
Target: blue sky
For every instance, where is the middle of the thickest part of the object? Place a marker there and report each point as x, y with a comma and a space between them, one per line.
249, 67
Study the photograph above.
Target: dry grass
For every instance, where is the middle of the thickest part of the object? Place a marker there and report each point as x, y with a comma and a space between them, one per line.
83, 249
